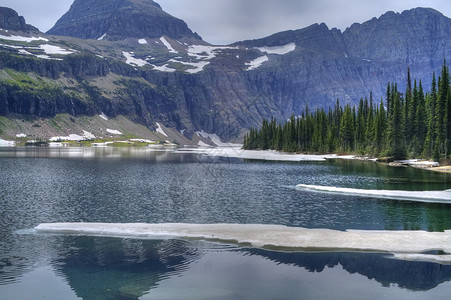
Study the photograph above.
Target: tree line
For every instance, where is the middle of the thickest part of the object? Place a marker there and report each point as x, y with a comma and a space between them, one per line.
410, 124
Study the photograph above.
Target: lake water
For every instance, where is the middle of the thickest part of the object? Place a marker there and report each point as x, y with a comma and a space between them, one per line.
42, 185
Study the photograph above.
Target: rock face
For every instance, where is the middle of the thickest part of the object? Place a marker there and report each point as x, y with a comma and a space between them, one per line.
151, 67
119, 19
10, 20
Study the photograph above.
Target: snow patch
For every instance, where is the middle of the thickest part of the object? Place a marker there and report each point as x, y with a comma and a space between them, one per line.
215, 139
205, 52
4, 143
163, 68
160, 130
419, 196
73, 137
280, 50
113, 131
142, 41
21, 135
202, 144
168, 45
142, 141
237, 152
254, 64
132, 61
50, 49
17, 38
418, 163
199, 66
296, 238
102, 37
103, 116
24, 52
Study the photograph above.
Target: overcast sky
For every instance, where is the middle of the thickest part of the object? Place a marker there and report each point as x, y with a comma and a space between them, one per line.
227, 21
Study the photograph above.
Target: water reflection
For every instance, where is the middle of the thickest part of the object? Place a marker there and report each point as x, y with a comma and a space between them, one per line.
107, 268
128, 269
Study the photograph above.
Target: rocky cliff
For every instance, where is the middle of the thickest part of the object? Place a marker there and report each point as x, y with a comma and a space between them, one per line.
164, 73
10, 20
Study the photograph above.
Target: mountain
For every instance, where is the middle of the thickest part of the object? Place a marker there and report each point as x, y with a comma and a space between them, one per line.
165, 76
119, 19
10, 20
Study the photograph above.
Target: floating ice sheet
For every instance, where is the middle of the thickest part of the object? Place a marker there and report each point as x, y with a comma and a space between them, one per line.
421, 196
405, 244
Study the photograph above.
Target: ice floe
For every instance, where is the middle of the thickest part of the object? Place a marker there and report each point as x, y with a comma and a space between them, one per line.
420, 196
281, 50
254, 64
403, 243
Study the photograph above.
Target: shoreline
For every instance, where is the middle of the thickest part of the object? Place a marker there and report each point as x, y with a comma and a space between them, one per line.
266, 155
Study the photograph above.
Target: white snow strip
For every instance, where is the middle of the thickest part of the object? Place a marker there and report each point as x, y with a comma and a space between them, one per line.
280, 50
133, 61
419, 162
160, 130
102, 37
237, 152
103, 116
199, 66
420, 196
142, 141
88, 135
142, 41
24, 52
50, 49
206, 52
163, 68
21, 135
296, 238
4, 143
168, 45
202, 144
70, 137
22, 38
215, 139
113, 131
254, 64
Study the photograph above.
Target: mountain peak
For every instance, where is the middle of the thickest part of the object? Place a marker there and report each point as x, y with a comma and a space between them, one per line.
119, 19
10, 20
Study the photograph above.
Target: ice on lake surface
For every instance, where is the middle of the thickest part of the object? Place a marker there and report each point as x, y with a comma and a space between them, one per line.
211, 186
421, 196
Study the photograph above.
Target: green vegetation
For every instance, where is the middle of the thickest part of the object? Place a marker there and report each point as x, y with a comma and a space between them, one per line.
414, 124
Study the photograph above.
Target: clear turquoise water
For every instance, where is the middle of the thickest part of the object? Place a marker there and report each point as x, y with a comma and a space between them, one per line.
103, 185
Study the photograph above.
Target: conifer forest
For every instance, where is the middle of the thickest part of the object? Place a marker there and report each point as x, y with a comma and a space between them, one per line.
411, 124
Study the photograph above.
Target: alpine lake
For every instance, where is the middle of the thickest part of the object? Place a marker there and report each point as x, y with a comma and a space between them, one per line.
147, 185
